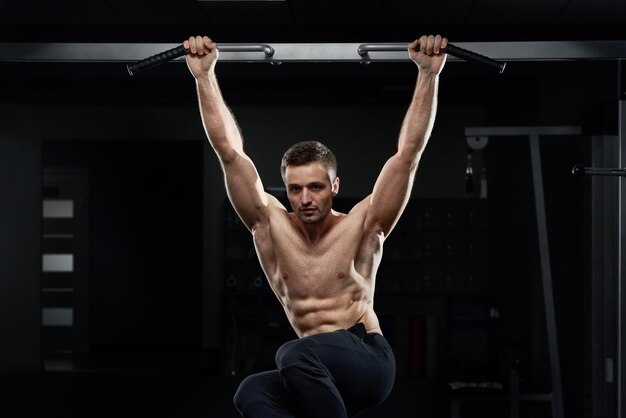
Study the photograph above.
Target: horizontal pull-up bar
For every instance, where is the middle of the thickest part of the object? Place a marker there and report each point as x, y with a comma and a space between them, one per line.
363, 50
311, 52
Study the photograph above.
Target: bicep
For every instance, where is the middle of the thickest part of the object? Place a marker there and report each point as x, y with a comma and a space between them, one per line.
391, 194
245, 190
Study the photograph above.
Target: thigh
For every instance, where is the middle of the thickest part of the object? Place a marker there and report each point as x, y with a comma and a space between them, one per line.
363, 370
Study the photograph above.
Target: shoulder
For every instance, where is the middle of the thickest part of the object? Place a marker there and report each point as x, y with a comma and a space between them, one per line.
277, 213
273, 209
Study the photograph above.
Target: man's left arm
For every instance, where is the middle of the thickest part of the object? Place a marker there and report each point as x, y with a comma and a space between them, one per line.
393, 186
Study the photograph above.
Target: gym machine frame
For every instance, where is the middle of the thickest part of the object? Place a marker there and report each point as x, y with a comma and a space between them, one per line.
365, 53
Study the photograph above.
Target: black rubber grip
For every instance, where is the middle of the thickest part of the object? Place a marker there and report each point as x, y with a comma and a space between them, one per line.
474, 57
157, 59
579, 170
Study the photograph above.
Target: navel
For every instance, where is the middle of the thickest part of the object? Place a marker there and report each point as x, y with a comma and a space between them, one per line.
341, 275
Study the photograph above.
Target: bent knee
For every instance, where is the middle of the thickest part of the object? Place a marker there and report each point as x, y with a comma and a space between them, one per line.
250, 390
258, 387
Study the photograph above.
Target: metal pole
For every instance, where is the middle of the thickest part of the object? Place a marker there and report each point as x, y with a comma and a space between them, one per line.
621, 265
603, 285
308, 52
546, 275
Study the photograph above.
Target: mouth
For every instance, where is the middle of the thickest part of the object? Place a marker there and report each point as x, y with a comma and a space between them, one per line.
307, 211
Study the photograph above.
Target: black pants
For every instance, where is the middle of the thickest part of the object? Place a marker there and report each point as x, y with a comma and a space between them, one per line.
333, 374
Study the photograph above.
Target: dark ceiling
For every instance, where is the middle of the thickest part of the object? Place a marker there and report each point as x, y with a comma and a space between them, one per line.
309, 20
171, 21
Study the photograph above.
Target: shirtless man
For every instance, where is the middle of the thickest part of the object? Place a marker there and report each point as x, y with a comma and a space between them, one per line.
321, 264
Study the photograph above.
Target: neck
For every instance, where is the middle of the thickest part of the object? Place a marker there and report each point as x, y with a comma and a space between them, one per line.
316, 231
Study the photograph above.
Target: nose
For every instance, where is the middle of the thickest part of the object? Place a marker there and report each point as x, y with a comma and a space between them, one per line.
305, 197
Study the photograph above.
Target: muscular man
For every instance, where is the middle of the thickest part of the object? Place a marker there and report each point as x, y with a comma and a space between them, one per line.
321, 264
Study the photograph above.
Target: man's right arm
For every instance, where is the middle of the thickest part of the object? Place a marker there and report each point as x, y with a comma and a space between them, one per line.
243, 183
393, 186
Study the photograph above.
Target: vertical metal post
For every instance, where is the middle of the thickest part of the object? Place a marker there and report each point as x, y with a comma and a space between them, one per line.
597, 274
621, 253
603, 286
546, 275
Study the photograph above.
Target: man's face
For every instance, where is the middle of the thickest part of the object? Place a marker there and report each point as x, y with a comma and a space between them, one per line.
310, 192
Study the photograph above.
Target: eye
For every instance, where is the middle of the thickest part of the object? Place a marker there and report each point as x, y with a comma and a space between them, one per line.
294, 189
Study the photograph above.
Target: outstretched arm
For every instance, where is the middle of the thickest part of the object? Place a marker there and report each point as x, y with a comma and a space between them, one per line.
393, 186
243, 184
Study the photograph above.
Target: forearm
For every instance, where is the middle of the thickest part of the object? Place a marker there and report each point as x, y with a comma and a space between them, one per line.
218, 121
420, 117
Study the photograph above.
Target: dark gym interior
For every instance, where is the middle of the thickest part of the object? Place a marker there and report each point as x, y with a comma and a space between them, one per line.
129, 287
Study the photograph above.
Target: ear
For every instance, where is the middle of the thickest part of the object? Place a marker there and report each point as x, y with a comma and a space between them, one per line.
335, 186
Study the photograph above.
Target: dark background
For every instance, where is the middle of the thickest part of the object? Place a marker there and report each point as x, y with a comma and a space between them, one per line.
159, 328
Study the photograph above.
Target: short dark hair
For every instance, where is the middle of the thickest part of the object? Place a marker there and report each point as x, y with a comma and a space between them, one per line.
307, 152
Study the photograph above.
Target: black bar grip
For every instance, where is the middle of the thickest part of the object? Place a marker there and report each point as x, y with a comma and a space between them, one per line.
474, 57
579, 170
157, 59
450, 49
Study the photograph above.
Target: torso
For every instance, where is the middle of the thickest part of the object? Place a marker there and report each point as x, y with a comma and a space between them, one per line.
325, 285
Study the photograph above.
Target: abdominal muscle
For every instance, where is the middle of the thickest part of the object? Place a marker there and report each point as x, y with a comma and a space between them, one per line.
313, 309
309, 317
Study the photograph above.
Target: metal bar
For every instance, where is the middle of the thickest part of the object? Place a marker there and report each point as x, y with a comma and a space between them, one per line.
180, 51
265, 48
522, 130
546, 275
309, 52
621, 268
452, 51
364, 49
580, 170
611, 241
604, 241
